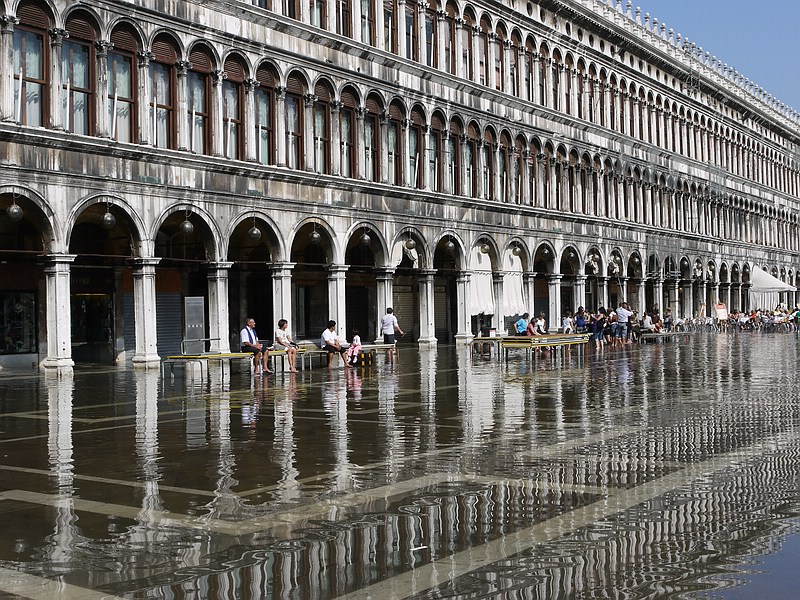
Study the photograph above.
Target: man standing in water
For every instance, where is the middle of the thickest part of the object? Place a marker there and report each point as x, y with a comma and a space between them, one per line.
389, 325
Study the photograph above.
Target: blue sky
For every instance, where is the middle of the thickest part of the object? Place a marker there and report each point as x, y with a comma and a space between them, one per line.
760, 39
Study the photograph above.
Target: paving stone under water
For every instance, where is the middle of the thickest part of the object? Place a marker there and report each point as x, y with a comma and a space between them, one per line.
663, 470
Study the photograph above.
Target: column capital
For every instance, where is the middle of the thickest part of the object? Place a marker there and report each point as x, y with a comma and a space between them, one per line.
337, 270
218, 76
52, 261
102, 47
384, 272
7, 23
251, 84
554, 277
141, 262
219, 264
57, 35
282, 268
145, 57
426, 273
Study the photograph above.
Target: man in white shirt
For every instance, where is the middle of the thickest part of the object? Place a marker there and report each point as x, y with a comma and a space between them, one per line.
624, 315
389, 325
331, 343
250, 343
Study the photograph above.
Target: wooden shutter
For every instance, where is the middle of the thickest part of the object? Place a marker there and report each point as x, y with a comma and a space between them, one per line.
124, 38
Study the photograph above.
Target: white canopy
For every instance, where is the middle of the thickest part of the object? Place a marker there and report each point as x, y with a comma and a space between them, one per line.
765, 289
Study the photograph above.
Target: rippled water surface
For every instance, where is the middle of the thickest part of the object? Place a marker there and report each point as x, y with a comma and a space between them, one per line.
656, 470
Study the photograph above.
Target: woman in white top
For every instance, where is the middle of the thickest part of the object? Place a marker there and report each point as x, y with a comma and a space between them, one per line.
284, 341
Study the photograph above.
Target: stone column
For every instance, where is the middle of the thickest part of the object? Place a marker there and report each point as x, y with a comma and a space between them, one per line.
578, 292
497, 285
360, 148
355, 14
529, 287
384, 280
249, 129
725, 294
406, 171
280, 125
464, 325
282, 293
688, 294
336, 297
746, 296
336, 137
641, 301
427, 320
103, 120
401, 28
384, 139
459, 30
7, 82
309, 143
182, 106
658, 294
218, 316
602, 292
144, 96
144, 308
59, 325
217, 121
554, 306
56, 91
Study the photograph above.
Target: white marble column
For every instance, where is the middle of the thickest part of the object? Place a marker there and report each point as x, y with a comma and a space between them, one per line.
218, 316
464, 325
59, 325
427, 319
578, 292
249, 130
640, 300
384, 280
529, 287
182, 105
280, 126
7, 81
144, 96
554, 304
58, 107
336, 297
282, 294
497, 319
602, 292
144, 308
309, 143
103, 120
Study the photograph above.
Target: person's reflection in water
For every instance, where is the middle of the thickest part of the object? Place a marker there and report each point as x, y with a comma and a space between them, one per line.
354, 385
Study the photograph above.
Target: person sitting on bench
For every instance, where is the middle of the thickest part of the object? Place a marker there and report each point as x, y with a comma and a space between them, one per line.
250, 343
333, 345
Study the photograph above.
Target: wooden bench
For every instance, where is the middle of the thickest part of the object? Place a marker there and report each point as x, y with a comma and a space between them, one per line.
200, 359
660, 336
557, 341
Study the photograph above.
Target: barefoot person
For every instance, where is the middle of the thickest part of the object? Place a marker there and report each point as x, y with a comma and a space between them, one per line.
250, 343
284, 341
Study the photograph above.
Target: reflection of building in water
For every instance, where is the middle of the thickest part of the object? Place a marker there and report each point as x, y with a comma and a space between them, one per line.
63, 553
540, 156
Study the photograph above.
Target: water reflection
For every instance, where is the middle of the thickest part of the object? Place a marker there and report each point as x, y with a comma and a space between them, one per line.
626, 473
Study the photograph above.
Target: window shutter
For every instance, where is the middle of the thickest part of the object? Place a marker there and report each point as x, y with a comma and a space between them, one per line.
322, 92
374, 105
164, 50
80, 27
265, 76
125, 38
234, 70
201, 60
33, 14
349, 98
395, 112
295, 85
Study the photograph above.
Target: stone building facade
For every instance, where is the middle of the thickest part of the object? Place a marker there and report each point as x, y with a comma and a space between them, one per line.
462, 162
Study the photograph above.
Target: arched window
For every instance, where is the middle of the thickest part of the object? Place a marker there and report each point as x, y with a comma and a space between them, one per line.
199, 85
368, 22
232, 109
394, 168
453, 158
514, 65
31, 65
265, 116
162, 82
123, 83
555, 80
78, 75
322, 129
416, 133
347, 132
567, 70
542, 76
372, 139
436, 152
295, 89
412, 30
528, 71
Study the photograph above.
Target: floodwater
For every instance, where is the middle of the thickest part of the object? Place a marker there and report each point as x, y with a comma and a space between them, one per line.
667, 470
